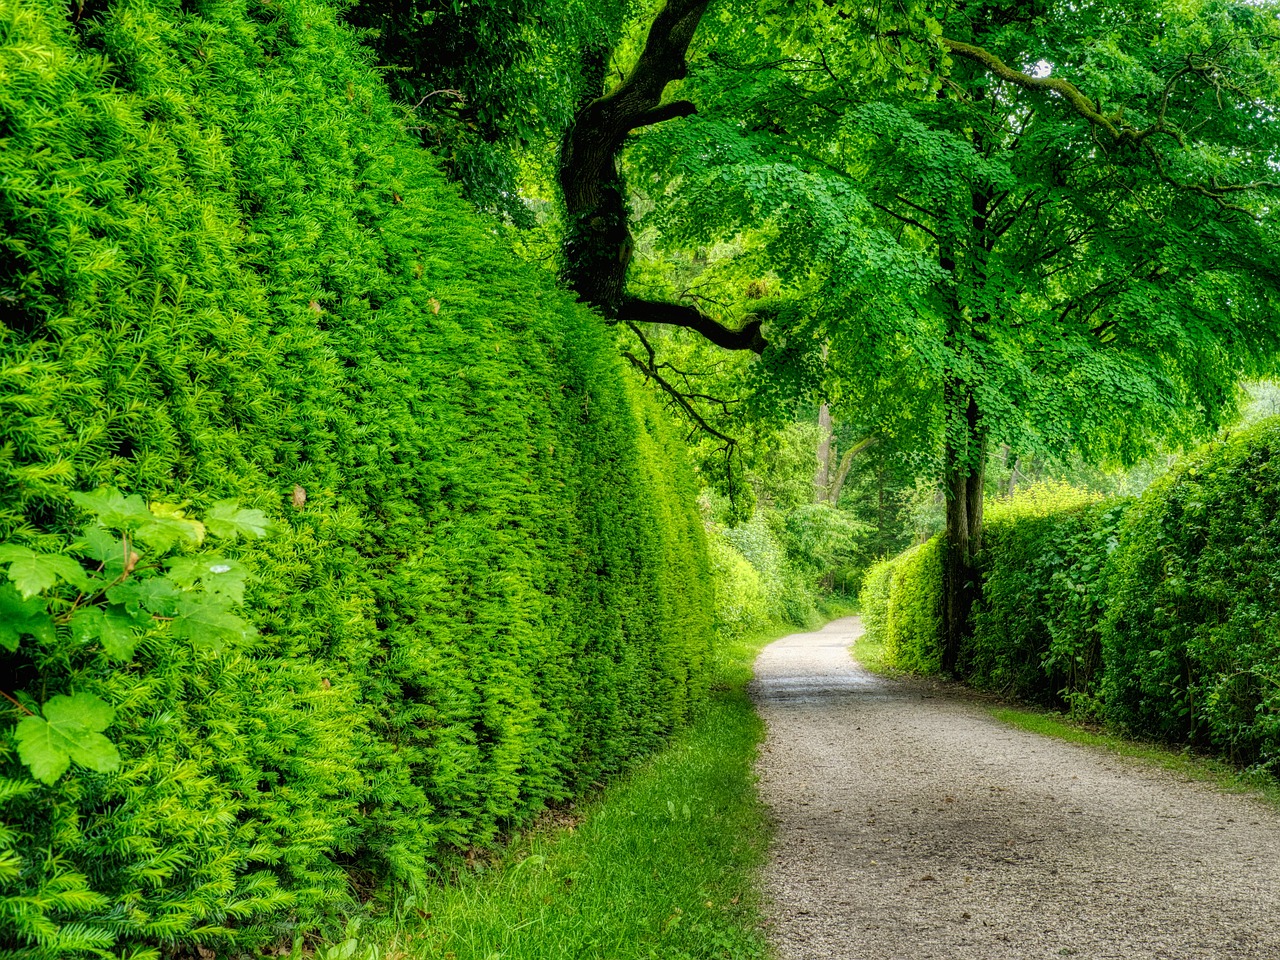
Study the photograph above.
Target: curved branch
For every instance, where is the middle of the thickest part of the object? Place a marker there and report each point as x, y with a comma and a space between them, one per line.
597, 244
750, 337
1114, 125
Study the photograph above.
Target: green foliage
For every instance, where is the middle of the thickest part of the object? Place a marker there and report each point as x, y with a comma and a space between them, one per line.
71, 729
228, 275
126, 596
1190, 637
914, 610
742, 605
486, 80
1036, 629
873, 601
663, 864
790, 599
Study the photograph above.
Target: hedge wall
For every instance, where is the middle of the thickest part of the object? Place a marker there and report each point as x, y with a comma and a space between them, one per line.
1192, 636
227, 271
1036, 628
901, 605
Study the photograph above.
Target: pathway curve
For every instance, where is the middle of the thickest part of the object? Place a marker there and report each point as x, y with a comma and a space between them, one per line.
912, 825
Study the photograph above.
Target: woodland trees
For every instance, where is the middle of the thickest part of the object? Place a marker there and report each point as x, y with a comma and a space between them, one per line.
1041, 226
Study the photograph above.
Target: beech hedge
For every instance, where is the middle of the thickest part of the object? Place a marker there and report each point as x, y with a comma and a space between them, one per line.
229, 272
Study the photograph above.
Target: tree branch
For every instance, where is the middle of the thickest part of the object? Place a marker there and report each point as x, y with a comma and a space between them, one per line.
750, 337
667, 111
650, 371
1114, 124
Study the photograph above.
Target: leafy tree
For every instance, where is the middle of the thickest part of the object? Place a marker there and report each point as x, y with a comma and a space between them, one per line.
1004, 257
488, 81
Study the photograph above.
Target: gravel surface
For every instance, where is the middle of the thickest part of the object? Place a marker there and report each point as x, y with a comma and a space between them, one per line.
911, 824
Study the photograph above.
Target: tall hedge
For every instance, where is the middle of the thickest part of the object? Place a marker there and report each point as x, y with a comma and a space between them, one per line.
227, 271
901, 601
1037, 627
1192, 636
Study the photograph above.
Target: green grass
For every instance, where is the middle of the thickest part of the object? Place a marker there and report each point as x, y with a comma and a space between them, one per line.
872, 656
662, 864
1184, 763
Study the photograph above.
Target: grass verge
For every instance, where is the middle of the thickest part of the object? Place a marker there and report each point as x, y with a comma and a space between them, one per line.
662, 864
872, 656
1184, 763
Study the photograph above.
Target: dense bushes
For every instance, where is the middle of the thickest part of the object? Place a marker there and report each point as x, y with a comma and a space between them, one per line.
1036, 630
1192, 637
226, 272
901, 604
1161, 615
914, 612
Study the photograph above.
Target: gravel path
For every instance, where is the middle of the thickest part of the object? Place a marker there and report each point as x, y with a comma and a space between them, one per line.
911, 825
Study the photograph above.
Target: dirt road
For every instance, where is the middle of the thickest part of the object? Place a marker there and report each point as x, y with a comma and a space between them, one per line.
912, 825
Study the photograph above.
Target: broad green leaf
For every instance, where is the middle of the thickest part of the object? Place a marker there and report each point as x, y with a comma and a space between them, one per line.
218, 575
70, 730
208, 622
99, 543
162, 533
112, 627
226, 519
21, 617
113, 509
154, 594
33, 573
178, 514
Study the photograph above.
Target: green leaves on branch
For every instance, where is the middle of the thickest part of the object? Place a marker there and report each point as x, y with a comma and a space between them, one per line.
111, 587
21, 617
32, 572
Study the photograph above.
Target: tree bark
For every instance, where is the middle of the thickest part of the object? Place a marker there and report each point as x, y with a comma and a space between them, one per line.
826, 441
965, 465
598, 243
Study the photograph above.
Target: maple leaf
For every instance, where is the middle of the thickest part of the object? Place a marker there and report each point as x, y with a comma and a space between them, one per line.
33, 572
226, 519
113, 627
208, 622
70, 730
113, 509
21, 617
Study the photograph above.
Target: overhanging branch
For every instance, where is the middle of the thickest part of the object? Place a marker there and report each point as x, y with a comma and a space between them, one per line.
1113, 125
749, 337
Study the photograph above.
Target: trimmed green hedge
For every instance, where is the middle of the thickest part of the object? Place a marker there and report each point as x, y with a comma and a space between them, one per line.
1036, 629
873, 601
1192, 637
227, 270
901, 605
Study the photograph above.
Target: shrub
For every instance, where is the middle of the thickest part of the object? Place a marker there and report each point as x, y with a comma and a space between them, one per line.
790, 598
1036, 629
1191, 640
873, 601
742, 608
913, 641
227, 271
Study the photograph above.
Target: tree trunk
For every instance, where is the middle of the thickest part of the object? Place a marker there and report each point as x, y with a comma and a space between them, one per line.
597, 243
966, 457
826, 442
